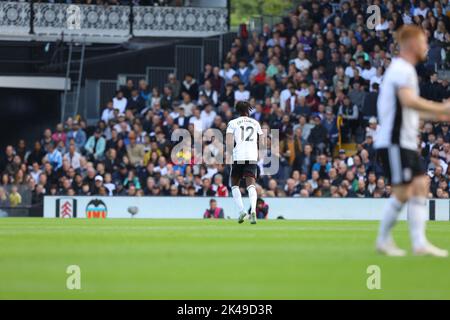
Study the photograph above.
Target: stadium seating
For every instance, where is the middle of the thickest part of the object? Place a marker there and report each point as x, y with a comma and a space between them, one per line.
314, 76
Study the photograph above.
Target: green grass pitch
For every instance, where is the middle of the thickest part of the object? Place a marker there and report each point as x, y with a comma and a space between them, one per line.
197, 259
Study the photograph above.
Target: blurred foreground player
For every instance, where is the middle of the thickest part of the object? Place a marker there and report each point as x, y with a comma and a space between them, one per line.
242, 137
399, 109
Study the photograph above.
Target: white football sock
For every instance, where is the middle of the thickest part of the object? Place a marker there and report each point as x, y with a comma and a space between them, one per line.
253, 197
417, 219
390, 214
236, 192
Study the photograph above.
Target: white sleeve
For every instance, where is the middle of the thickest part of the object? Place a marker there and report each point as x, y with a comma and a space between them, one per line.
258, 129
405, 78
230, 128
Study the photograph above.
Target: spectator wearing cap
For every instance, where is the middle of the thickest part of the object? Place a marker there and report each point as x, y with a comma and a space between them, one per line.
95, 146
98, 184
214, 212
372, 128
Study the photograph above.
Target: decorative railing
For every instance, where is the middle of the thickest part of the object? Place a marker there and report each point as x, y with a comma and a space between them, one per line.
111, 22
98, 23
170, 21
15, 18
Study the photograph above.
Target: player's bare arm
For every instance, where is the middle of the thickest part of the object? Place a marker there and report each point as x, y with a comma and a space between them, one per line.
229, 140
427, 108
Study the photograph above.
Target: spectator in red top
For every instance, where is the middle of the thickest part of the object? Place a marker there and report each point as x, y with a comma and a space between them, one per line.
312, 100
59, 135
214, 212
260, 77
218, 186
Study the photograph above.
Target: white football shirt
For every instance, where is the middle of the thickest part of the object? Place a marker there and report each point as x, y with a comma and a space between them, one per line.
246, 132
399, 125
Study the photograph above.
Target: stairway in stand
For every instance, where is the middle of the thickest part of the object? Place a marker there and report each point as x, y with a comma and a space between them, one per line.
74, 73
350, 149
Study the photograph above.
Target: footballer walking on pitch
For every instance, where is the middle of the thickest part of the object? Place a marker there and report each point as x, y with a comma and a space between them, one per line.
242, 137
399, 109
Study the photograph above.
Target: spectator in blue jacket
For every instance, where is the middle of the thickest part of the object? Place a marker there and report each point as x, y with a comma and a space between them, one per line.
330, 123
323, 166
54, 157
78, 135
95, 146
244, 72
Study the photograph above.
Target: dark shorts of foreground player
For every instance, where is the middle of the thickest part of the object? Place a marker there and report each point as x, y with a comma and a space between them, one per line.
243, 169
400, 165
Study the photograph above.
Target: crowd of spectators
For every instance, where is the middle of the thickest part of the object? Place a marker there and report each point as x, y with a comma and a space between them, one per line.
315, 77
160, 3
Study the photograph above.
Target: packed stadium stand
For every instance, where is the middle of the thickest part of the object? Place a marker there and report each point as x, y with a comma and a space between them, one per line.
314, 76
